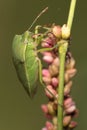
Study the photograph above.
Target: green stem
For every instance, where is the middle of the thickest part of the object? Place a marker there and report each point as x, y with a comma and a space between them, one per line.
71, 14
62, 54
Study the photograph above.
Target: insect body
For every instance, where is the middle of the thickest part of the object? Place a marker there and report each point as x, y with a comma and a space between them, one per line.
26, 61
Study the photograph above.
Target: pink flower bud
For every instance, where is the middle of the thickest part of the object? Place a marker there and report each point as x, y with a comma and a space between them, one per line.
50, 88
49, 41
71, 109
53, 39
49, 125
55, 82
46, 73
44, 108
48, 116
44, 128
68, 102
73, 124
48, 59
46, 45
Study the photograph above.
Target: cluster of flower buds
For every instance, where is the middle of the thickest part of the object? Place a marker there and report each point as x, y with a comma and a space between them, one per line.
50, 75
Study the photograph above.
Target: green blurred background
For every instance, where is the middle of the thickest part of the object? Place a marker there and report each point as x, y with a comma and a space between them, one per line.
17, 111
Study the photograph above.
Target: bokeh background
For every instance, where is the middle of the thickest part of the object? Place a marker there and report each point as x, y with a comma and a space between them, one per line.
17, 111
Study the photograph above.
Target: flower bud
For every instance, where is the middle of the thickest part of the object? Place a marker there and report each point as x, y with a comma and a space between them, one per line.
72, 124
45, 73
44, 108
50, 108
48, 58
66, 77
66, 120
65, 32
71, 72
55, 122
68, 102
56, 62
53, 70
49, 41
48, 116
55, 82
49, 125
45, 44
44, 128
46, 80
67, 88
71, 64
53, 39
71, 109
56, 30
55, 127
50, 88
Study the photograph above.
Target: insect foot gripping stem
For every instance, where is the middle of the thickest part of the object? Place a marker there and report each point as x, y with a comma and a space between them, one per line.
50, 77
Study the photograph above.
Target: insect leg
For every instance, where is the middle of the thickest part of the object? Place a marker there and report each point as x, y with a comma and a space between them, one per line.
39, 36
41, 81
47, 49
40, 78
39, 27
50, 49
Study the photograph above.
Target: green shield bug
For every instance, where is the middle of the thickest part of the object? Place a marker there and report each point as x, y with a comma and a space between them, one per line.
26, 61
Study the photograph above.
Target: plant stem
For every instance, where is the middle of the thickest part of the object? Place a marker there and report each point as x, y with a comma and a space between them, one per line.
62, 54
71, 14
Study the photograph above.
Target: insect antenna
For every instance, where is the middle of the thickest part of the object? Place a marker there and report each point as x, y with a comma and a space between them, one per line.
43, 11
